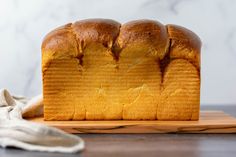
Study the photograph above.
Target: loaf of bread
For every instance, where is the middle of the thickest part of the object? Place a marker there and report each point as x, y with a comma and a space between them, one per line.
98, 69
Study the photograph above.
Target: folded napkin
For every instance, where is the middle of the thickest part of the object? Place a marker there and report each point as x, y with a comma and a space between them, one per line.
18, 132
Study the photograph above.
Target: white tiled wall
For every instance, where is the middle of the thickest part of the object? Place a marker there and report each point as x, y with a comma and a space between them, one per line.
23, 24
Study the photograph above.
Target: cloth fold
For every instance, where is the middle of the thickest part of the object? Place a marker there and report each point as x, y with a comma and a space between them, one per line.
18, 132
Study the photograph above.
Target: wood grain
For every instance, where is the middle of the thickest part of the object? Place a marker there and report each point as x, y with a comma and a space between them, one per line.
209, 122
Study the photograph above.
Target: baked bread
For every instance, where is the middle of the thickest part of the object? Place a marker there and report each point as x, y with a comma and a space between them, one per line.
98, 69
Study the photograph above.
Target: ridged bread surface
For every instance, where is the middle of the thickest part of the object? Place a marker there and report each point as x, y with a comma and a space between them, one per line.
98, 69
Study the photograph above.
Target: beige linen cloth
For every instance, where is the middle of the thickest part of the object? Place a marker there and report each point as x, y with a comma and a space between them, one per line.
18, 132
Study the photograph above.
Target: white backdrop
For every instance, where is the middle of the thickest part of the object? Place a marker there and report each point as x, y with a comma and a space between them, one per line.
24, 23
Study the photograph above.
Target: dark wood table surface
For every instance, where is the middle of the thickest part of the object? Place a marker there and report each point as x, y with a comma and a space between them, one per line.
164, 145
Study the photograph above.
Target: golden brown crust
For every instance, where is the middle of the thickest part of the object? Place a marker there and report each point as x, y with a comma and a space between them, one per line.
145, 34
59, 40
69, 40
184, 44
59, 43
96, 30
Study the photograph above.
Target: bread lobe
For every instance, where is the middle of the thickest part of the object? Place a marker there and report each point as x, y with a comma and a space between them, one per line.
145, 35
184, 44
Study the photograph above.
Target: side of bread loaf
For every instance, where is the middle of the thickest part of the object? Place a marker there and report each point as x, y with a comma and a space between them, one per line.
98, 69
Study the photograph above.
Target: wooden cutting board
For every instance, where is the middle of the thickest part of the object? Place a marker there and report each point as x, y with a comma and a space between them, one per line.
209, 122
